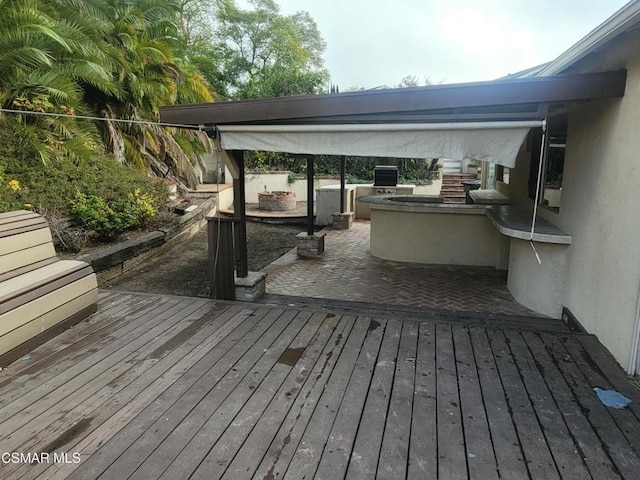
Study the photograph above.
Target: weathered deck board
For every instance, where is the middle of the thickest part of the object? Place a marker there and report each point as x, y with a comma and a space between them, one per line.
284, 445
100, 387
481, 458
394, 453
110, 417
423, 443
565, 452
538, 457
72, 340
77, 387
451, 448
364, 457
295, 392
67, 367
168, 387
337, 451
625, 459
504, 438
309, 450
181, 397
590, 448
289, 371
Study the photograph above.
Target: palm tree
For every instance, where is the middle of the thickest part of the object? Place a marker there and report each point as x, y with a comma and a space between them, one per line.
112, 58
42, 61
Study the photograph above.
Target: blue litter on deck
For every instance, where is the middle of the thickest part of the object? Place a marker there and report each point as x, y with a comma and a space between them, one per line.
611, 398
26, 357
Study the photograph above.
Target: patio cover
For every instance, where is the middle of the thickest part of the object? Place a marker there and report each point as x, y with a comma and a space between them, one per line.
496, 142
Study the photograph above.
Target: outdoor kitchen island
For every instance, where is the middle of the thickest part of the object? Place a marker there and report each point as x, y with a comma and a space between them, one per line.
421, 229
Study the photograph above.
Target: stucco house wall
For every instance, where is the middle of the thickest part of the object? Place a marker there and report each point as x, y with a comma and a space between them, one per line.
600, 208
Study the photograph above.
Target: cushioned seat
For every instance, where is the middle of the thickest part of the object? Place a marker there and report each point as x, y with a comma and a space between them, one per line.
40, 295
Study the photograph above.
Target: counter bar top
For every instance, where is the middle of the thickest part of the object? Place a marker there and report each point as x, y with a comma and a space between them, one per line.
515, 221
510, 220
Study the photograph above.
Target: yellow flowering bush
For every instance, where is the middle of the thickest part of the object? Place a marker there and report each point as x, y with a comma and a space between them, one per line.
10, 198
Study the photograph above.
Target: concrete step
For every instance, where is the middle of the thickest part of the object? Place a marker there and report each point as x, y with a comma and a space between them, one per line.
453, 183
459, 177
455, 200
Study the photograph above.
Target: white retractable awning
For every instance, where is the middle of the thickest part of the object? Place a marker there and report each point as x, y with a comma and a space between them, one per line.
496, 142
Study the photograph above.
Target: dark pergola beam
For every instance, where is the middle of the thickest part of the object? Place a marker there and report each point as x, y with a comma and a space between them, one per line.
554, 89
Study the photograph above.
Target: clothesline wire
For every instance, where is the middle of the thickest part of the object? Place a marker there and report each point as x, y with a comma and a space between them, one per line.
102, 119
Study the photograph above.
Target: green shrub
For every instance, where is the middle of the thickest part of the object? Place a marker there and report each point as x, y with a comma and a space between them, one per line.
9, 193
51, 187
110, 219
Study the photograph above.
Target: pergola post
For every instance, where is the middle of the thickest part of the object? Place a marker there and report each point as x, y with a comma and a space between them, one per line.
240, 216
221, 280
310, 244
310, 191
342, 220
342, 182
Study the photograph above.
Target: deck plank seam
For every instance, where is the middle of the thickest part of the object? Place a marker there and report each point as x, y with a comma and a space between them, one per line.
295, 428
288, 373
155, 410
336, 324
168, 364
60, 367
106, 377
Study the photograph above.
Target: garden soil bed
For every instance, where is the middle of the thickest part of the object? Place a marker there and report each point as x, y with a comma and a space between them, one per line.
182, 270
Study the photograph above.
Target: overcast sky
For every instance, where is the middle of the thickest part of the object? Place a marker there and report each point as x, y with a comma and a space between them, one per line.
377, 42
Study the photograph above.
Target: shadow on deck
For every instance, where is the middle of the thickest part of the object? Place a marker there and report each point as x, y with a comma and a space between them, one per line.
174, 387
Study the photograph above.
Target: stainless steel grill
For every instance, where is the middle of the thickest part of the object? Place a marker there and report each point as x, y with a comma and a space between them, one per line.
385, 176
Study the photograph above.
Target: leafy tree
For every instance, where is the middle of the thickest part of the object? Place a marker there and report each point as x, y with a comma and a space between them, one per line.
262, 53
412, 81
195, 21
144, 35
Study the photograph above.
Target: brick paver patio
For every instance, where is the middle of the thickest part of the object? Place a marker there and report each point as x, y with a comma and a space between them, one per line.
347, 271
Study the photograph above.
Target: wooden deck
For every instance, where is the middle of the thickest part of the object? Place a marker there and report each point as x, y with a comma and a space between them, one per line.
175, 388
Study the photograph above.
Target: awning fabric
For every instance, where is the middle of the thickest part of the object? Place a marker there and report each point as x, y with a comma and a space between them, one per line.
496, 142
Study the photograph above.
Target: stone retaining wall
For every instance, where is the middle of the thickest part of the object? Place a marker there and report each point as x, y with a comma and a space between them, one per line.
112, 261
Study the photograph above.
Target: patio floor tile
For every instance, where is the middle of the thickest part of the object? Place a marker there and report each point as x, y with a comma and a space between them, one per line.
347, 271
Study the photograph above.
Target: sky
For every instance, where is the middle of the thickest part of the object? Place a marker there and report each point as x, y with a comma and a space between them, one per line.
373, 43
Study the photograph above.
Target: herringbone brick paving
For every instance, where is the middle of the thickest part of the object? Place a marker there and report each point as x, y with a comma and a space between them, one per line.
347, 271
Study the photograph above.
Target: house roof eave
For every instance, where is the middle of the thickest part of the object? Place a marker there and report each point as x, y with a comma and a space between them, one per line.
353, 107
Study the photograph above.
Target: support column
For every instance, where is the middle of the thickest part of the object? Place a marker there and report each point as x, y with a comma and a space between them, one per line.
220, 237
342, 182
310, 189
342, 220
310, 244
239, 209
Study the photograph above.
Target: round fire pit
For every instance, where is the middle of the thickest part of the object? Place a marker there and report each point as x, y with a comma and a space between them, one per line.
277, 201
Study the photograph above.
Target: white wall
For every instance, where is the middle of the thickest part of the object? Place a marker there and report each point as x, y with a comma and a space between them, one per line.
538, 286
277, 181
